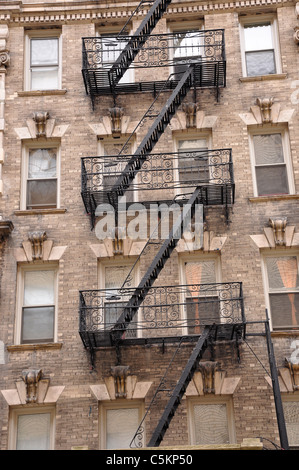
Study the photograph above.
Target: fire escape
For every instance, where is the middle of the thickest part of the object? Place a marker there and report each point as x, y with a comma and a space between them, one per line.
150, 313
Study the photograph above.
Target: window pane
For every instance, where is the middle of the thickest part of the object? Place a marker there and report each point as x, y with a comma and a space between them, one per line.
115, 277
211, 425
282, 272
202, 311
187, 44
41, 194
260, 63
268, 149
121, 427
45, 78
34, 432
42, 163
284, 310
44, 51
272, 180
38, 324
39, 288
291, 414
258, 37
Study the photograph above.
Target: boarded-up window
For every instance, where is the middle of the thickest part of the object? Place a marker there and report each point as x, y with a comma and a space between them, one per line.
283, 283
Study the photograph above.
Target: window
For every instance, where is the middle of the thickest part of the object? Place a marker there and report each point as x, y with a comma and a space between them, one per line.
119, 423
202, 304
111, 47
271, 163
43, 60
32, 429
260, 47
193, 162
211, 421
113, 276
41, 176
291, 415
37, 300
187, 47
282, 286
113, 167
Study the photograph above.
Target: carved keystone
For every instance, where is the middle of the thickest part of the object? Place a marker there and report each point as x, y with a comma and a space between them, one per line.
265, 105
120, 373
116, 114
278, 226
208, 369
31, 378
37, 240
40, 118
190, 110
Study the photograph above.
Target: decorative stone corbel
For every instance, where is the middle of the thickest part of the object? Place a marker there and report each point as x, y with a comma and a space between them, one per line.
37, 240
208, 370
120, 373
31, 378
116, 115
40, 118
278, 226
4, 58
296, 35
265, 105
190, 109
294, 372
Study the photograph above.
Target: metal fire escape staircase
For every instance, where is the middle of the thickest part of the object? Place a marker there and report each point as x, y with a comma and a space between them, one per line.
121, 185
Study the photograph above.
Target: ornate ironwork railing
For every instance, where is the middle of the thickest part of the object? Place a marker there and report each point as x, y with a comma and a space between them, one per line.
166, 311
175, 50
171, 173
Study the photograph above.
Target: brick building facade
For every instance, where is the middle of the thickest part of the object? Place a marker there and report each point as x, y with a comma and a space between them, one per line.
78, 361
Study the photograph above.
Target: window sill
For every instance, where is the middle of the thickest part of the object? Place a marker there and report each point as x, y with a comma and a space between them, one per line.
260, 78
33, 346
42, 92
283, 333
40, 211
284, 197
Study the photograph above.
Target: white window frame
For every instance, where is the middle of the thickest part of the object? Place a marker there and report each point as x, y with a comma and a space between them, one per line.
22, 269
187, 137
118, 404
13, 423
40, 144
195, 258
227, 400
129, 76
119, 262
258, 20
41, 34
283, 131
274, 254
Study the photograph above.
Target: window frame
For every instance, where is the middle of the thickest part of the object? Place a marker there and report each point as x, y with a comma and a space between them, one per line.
215, 400
187, 137
41, 34
22, 269
275, 254
294, 398
35, 145
113, 31
285, 140
176, 27
254, 20
182, 274
18, 411
103, 264
116, 405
